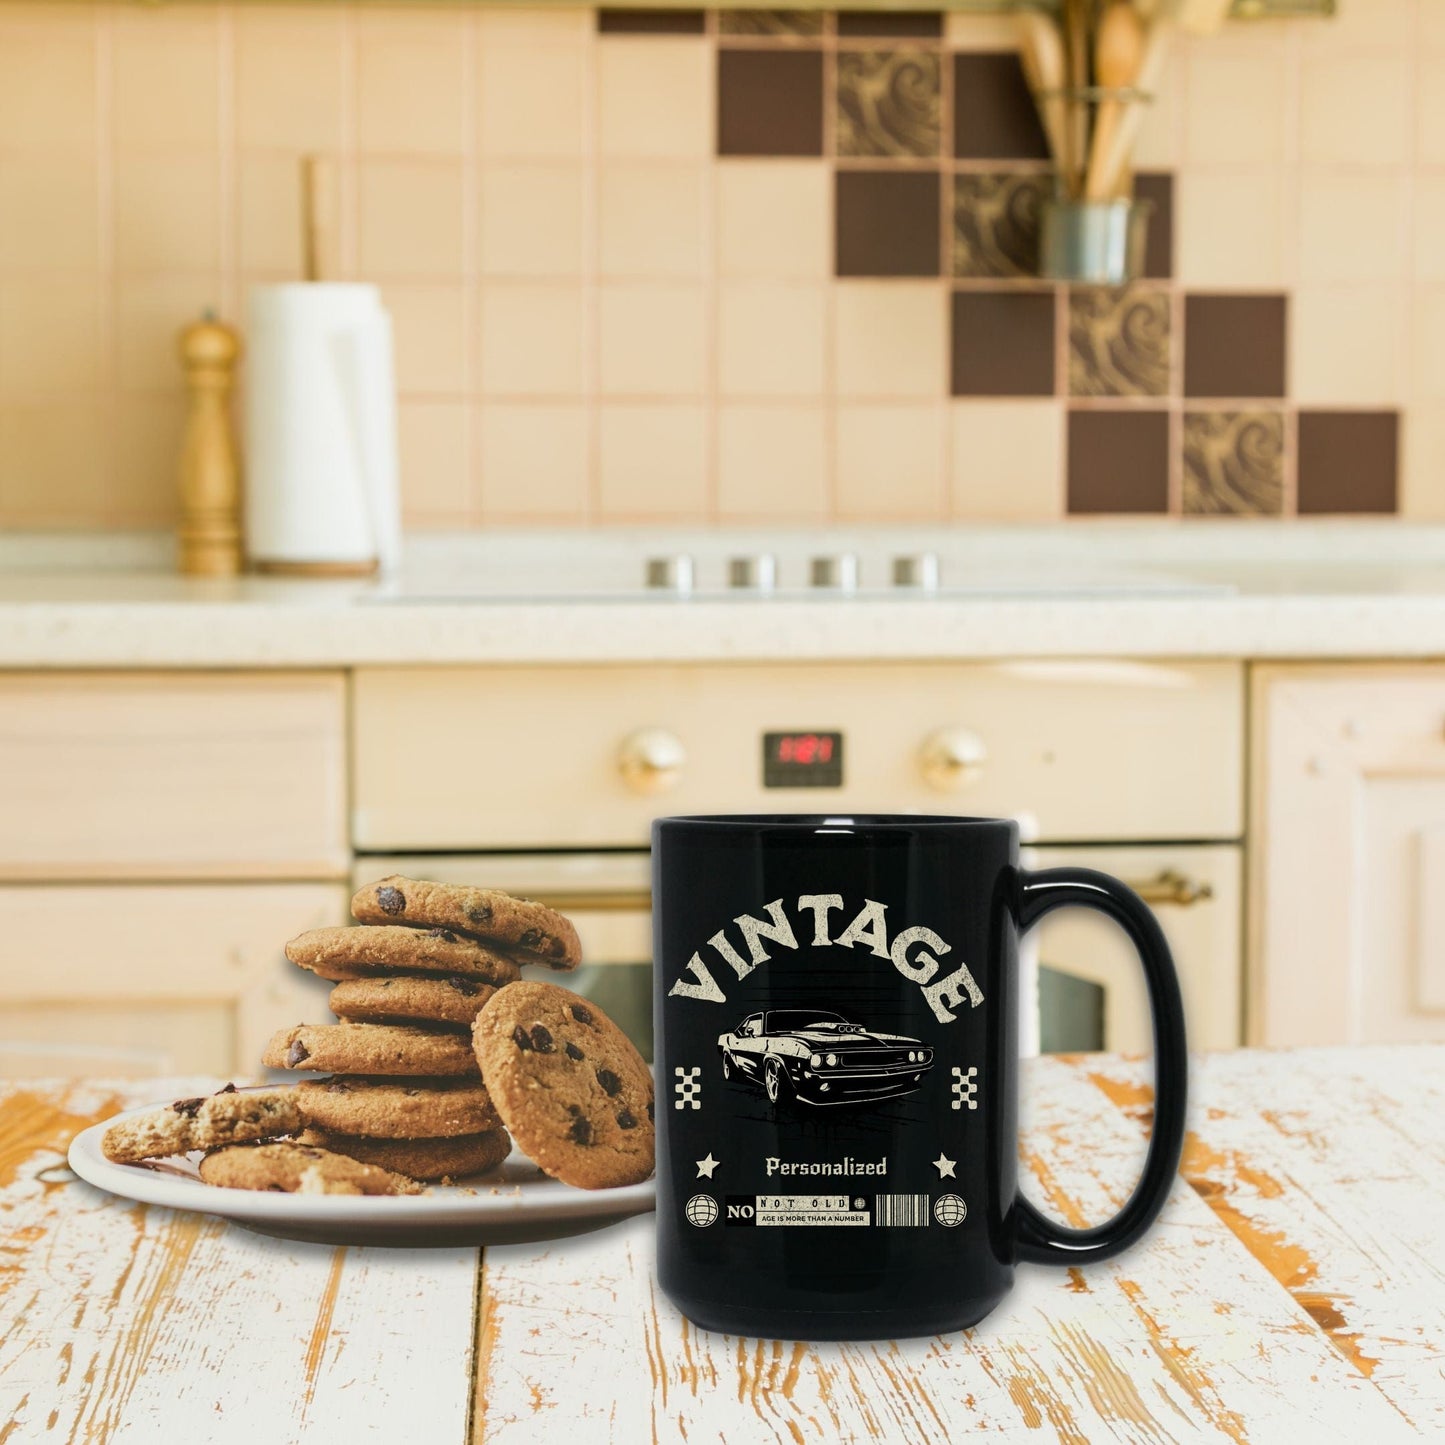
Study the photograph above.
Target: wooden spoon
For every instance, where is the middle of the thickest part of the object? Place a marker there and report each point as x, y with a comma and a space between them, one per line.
1118, 54
1041, 52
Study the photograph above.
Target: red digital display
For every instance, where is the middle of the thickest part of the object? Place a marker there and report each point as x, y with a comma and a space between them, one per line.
805, 749
809, 759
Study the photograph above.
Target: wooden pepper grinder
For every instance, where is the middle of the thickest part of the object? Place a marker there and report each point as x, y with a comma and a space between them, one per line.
210, 526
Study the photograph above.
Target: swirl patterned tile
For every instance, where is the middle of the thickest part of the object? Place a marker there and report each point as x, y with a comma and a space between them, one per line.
889, 103
1119, 342
1233, 463
996, 224
780, 23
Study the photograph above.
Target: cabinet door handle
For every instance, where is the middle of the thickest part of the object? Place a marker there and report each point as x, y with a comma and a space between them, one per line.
1171, 886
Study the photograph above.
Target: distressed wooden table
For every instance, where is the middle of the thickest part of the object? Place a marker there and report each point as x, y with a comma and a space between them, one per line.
1293, 1291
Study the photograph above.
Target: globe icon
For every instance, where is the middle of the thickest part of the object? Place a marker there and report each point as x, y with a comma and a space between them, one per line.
948, 1209
701, 1210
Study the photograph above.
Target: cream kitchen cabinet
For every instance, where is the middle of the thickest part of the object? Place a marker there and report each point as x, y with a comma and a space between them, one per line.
1347, 895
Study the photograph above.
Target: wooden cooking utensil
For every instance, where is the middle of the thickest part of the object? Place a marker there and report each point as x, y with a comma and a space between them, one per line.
1118, 54
1041, 52
318, 226
1076, 113
1114, 162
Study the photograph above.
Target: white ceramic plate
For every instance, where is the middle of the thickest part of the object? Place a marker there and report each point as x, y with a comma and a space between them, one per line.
513, 1204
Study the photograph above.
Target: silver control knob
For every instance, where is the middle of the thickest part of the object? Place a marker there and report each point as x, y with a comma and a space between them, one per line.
952, 758
753, 574
916, 569
670, 574
838, 572
651, 760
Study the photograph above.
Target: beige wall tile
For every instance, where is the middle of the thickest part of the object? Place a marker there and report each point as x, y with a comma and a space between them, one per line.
774, 219
1347, 346
772, 339
432, 337
1430, 109
1234, 107
48, 82
533, 25
652, 462
167, 213
1428, 242
413, 80
532, 219
890, 339
651, 219
52, 335
1361, 25
1229, 228
434, 445
49, 214
1354, 110
290, 69
964, 31
1007, 460
1427, 326
165, 78
1160, 142
411, 222
532, 102
143, 491
651, 339
772, 464
150, 313
654, 97
533, 339
1352, 227
1422, 463
1431, 23
52, 463
535, 462
890, 462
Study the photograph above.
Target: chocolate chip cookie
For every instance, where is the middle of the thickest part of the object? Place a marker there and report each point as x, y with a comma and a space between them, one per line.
349, 1048
532, 931
397, 1108
453, 1158
362, 952
568, 1083
453, 1002
299, 1168
233, 1116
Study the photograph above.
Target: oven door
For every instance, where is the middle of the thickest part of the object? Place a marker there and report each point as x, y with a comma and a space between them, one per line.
608, 896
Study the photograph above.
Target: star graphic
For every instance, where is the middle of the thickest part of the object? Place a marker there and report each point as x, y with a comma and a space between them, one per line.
944, 1165
706, 1165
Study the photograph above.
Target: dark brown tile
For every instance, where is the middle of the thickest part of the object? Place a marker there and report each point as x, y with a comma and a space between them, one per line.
889, 103
781, 23
996, 224
1118, 461
1157, 187
993, 113
1234, 346
887, 223
1348, 461
927, 24
1119, 341
1233, 463
770, 103
650, 22
1003, 343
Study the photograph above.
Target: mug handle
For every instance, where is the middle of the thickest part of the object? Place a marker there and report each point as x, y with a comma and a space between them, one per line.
1039, 1240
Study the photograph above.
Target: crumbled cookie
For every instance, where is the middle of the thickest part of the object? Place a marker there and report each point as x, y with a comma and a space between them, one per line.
349, 1048
453, 1158
533, 931
397, 1108
450, 1001
285, 1167
568, 1083
233, 1116
360, 952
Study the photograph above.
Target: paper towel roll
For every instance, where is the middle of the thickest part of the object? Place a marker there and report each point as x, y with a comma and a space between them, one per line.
321, 466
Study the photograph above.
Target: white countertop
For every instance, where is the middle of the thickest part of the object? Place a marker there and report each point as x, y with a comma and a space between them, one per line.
1226, 590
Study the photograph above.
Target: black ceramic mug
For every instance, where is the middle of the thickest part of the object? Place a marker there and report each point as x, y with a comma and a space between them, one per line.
836, 1013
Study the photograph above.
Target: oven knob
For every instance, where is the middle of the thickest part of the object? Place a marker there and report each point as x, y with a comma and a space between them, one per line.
952, 758
917, 570
670, 574
651, 760
838, 573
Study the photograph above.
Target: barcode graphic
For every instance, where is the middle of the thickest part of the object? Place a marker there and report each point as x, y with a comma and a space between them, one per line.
900, 1209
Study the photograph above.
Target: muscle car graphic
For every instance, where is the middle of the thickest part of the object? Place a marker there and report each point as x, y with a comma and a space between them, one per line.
820, 1057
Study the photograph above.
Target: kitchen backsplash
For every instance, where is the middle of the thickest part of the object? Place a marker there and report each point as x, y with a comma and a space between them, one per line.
746, 266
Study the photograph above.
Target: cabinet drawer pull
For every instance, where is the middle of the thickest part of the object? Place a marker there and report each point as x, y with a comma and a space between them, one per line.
1173, 887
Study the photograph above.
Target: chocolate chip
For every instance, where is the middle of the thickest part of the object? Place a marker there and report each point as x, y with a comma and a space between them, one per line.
391, 901
651, 1112
311, 1153
188, 1107
531, 938
387, 982
542, 1040
520, 1038
337, 1086
625, 1120
574, 1109
229, 1089
297, 1053
573, 1052
466, 986
582, 1015
609, 1081
445, 933
479, 913
580, 1132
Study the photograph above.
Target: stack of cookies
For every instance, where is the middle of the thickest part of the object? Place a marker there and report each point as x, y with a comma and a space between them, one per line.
411, 976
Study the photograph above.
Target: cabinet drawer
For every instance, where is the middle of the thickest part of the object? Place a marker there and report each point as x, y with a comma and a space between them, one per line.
180, 776
459, 758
